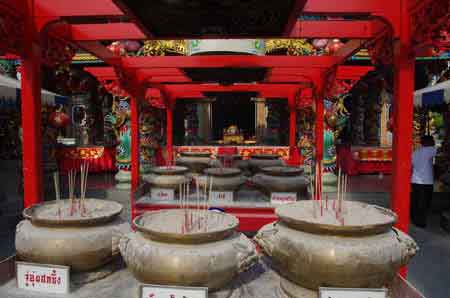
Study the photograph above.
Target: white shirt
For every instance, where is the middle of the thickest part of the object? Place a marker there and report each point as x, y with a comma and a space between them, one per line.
422, 165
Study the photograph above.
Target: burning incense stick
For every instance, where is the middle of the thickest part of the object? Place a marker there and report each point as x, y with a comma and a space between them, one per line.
57, 192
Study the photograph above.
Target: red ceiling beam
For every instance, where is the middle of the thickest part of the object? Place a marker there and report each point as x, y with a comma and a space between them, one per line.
72, 8
351, 47
232, 61
272, 90
337, 29
349, 72
100, 51
101, 71
109, 31
346, 6
168, 79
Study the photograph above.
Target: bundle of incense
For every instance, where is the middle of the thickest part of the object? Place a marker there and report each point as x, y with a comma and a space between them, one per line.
208, 202
338, 195
72, 175
57, 192
84, 170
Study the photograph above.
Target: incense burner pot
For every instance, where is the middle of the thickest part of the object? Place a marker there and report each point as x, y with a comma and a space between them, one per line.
208, 253
259, 161
359, 249
196, 161
83, 242
225, 179
167, 177
281, 179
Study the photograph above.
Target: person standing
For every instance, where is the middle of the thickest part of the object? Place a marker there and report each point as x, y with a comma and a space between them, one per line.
422, 181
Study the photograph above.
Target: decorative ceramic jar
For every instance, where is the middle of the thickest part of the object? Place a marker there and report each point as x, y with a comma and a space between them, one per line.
209, 253
169, 177
281, 179
356, 248
196, 161
258, 161
50, 235
225, 179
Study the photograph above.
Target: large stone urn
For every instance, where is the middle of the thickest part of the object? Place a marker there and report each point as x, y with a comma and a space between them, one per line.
50, 235
259, 161
225, 179
281, 179
208, 253
359, 248
196, 161
167, 177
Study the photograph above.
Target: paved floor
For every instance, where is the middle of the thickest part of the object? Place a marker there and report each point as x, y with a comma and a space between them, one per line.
428, 271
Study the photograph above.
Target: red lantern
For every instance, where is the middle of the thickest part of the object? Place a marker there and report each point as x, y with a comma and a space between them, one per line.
59, 119
319, 43
132, 45
333, 46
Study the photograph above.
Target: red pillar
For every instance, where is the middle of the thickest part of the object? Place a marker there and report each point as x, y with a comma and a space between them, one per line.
293, 152
294, 158
134, 153
404, 61
169, 134
31, 117
318, 134
402, 140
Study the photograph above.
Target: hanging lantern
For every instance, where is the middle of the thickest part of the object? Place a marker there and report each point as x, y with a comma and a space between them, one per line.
333, 46
319, 43
117, 48
58, 118
131, 45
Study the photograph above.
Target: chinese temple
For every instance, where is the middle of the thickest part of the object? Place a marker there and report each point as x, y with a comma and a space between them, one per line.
219, 121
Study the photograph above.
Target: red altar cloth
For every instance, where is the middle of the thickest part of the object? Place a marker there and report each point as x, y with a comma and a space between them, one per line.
244, 151
365, 160
100, 158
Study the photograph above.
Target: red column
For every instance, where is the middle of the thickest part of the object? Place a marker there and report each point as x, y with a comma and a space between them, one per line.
404, 61
169, 134
31, 117
318, 129
318, 133
402, 138
134, 153
293, 154
134, 143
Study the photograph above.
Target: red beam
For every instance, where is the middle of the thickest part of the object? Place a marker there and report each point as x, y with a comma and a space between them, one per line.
110, 31
350, 48
346, 6
168, 79
72, 8
100, 51
101, 71
350, 72
232, 61
192, 90
336, 29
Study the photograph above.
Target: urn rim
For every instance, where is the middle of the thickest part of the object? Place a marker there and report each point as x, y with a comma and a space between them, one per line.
180, 238
282, 171
222, 172
337, 229
32, 213
169, 170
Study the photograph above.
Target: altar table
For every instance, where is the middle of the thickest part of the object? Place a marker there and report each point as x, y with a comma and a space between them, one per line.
100, 158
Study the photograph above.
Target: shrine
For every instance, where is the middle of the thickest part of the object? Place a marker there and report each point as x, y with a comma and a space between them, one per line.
229, 130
